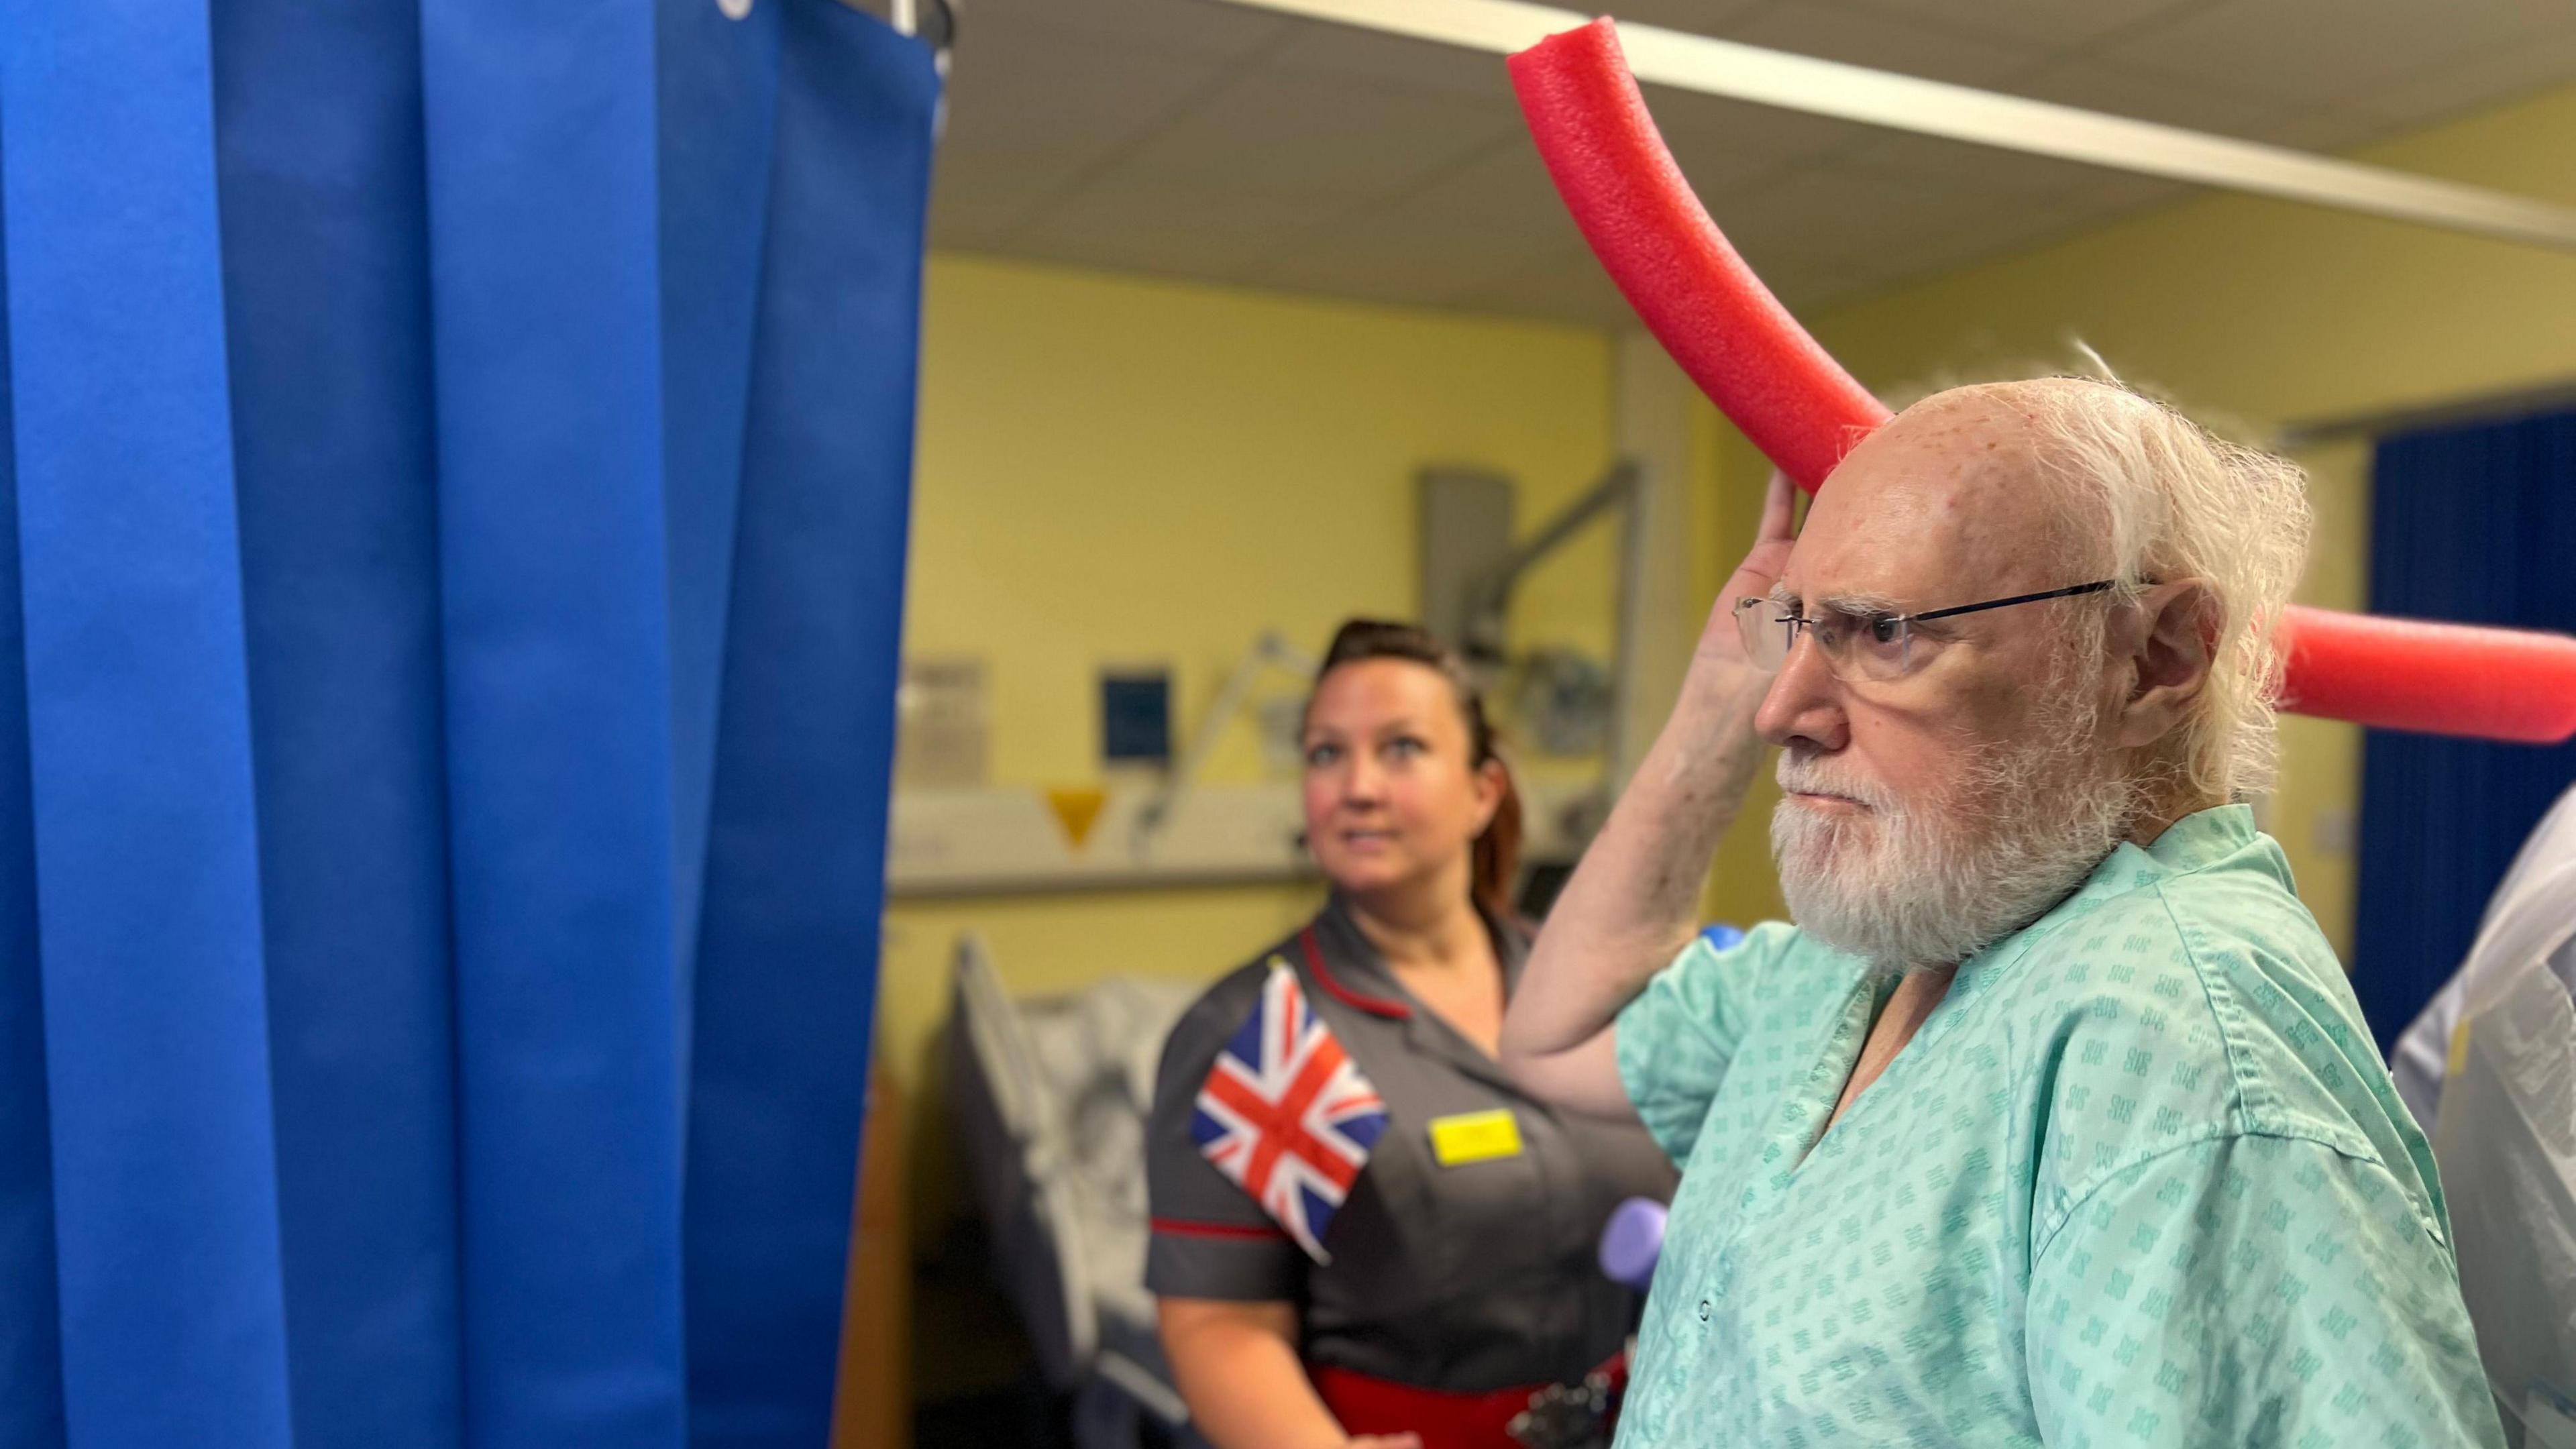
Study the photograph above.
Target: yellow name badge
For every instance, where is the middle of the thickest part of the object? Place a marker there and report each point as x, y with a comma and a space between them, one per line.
1475, 1137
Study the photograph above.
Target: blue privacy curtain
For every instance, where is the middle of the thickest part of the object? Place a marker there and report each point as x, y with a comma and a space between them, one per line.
453, 468
2475, 524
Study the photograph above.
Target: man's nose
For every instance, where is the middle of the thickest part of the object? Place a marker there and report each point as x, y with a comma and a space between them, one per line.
1805, 701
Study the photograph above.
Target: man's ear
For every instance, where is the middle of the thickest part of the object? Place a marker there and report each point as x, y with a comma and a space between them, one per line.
2169, 638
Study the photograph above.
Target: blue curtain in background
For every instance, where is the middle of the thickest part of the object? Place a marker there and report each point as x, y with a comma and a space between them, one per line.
2475, 524
453, 482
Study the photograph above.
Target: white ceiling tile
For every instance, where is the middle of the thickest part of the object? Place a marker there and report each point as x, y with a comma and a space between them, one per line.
978, 198
1347, 53
1724, 146
1503, 185
2146, 96
1838, 214
1933, 163
1188, 27
1034, 89
2335, 52
1315, 136
2030, 222
2109, 197
1692, 17
2004, 233
2490, 78
2324, 129
1887, 44
2050, 25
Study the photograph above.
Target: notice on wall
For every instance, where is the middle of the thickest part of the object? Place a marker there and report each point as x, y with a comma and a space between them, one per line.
1136, 717
943, 729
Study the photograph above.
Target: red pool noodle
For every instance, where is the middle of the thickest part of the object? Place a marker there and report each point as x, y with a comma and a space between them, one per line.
1796, 404
2442, 679
1694, 293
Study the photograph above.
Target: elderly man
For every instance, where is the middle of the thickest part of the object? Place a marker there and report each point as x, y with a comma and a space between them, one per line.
2052, 1120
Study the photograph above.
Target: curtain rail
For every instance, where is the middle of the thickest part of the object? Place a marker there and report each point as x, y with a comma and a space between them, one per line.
1964, 113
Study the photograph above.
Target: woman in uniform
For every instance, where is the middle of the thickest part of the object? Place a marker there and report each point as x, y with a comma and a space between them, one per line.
1363, 1235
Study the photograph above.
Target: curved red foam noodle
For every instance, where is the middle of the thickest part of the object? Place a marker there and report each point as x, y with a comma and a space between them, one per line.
1677, 269
2443, 679
1796, 404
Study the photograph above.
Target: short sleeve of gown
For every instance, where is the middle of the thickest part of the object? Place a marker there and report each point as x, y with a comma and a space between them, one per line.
1677, 1038
2252, 1290
1210, 1238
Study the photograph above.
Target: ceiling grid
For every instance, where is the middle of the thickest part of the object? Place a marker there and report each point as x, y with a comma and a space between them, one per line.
1189, 139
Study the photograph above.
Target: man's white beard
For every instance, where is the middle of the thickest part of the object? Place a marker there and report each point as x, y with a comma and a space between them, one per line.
1931, 882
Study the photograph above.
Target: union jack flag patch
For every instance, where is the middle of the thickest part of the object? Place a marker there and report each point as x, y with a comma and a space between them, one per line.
1286, 1114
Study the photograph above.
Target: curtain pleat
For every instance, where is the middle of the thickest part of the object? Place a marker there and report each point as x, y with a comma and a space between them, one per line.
2468, 524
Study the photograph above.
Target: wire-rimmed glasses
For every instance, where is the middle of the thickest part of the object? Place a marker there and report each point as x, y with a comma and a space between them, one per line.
1863, 644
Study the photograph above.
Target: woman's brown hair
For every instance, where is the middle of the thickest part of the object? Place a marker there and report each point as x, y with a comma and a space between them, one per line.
1498, 849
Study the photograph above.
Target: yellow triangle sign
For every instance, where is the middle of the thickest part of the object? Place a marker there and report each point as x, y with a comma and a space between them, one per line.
1077, 811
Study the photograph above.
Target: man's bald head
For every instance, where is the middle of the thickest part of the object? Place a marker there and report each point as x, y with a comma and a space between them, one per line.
1951, 494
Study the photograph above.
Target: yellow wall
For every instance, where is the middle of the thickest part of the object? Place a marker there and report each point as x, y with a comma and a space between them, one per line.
1115, 470
2273, 314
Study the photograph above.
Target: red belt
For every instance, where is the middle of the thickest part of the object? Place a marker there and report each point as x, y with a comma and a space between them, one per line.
1369, 1405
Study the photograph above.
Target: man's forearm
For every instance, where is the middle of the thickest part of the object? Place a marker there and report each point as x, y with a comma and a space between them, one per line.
1633, 901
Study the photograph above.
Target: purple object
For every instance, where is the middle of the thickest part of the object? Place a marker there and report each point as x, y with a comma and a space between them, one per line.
1633, 1241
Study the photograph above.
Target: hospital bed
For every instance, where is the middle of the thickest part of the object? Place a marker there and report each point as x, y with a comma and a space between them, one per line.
1049, 1097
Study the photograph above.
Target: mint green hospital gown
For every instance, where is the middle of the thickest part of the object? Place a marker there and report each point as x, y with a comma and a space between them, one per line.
2141, 1179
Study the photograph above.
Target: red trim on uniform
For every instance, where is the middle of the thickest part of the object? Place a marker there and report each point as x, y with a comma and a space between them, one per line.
1373, 1005
1214, 1230
1365, 1404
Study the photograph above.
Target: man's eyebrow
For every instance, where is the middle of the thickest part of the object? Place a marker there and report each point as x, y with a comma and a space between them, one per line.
1844, 603
1860, 604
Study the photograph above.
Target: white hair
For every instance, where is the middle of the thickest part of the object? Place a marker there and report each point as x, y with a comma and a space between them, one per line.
2154, 496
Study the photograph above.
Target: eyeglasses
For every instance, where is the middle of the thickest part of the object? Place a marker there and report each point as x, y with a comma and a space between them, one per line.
1855, 644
